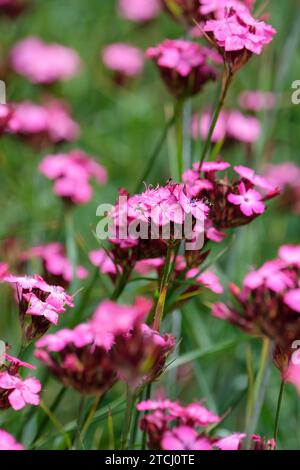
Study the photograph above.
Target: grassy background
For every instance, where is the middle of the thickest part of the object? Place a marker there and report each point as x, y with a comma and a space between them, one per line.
121, 127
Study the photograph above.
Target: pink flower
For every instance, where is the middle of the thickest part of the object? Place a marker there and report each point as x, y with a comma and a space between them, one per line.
272, 275
249, 175
283, 175
101, 259
184, 438
238, 35
257, 100
43, 63
232, 442
139, 10
6, 112
123, 59
239, 30
71, 173
250, 201
22, 391
207, 278
231, 125
8, 442
3, 270
39, 302
290, 254
50, 119
57, 267
183, 64
292, 299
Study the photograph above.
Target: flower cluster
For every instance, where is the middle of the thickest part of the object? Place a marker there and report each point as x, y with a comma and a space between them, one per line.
232, 204
43, 63
40, 304
115, 343
124, 60
139, 11
16, 392
269, 302
172, 426
256, 101
71, 173
42, 123
57, 267
184, 65
237, 36
232, 125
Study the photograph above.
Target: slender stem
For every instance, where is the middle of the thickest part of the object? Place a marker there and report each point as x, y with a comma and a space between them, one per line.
227, 78
53, 407
84, 300
77, 436
279, 403
260, 387
148, 396
159, 311
121, 283
156, 152
56, 424
179, 137
130, 402
91, 415
70, 241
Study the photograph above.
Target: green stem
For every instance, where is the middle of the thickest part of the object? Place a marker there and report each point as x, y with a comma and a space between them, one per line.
260, 388
71, 242
130, 402
53, 407
159, 311
84, 299
156, 151
121, 283
279, 403
227, 78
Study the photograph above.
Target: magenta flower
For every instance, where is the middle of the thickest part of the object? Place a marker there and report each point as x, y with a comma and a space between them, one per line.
8, 442
39, 304
20, 392
184, 65
232, 442
57, 267
48, 122
250, 201
171, 426
231, 126
71, 173
291, 374
257, 100
237, 35
290, 254
184, 438
268, 305
6, 113
139, 11
43, 63
123, 60
286, 176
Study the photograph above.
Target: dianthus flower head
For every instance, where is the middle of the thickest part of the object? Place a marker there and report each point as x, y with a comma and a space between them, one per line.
71, 173
124, 60
237, 35
40, 304
172, 426
139, 11
232, 126
56, 265
41, 124
43, 63
16, 392
184, 65
275, 288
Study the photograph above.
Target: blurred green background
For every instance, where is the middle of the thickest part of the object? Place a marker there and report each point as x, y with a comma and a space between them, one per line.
121, 127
